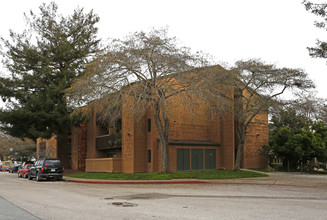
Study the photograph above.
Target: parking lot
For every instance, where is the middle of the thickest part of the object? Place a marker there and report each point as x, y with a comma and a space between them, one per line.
65, 200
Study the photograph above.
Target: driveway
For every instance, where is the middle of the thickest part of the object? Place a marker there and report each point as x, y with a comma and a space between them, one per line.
241, 200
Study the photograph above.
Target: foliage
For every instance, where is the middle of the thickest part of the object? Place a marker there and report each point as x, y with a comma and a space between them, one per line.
42, 62
15, 148
289, 117
296, 138
141, 72
214, 174
320, 51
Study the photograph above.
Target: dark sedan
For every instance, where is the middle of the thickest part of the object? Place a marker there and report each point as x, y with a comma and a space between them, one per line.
14, 168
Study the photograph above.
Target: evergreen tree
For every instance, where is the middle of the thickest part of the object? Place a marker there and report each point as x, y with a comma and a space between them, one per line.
320, 10
43, 61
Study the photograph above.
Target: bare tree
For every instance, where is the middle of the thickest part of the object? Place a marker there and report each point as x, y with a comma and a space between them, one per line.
145, 70
15, 148
310, 106
256, 87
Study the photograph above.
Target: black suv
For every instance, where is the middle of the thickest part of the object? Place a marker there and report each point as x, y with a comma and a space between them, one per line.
46, 168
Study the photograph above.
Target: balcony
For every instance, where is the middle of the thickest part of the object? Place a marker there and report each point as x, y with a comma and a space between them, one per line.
103, 165
107, 142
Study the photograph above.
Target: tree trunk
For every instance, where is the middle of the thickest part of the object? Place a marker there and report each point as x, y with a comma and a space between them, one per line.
239, 156
164, 156
163, 131
241, 131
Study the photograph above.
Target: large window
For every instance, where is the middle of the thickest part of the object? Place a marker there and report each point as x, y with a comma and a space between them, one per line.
183, 159
196, 159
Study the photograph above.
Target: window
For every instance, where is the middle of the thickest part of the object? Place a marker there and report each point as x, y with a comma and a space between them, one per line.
149, 125
149, 156
111, 155
52, 162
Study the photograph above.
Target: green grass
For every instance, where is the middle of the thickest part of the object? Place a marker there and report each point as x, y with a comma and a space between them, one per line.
214, 174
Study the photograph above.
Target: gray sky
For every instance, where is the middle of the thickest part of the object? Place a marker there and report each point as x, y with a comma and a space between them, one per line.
277, 31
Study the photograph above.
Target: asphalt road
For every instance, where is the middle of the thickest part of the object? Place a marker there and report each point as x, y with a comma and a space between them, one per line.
64, 200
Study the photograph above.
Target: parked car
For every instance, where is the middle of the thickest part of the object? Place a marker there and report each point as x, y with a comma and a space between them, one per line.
46, 168
23, 171
28, 162
6, 165
14, 168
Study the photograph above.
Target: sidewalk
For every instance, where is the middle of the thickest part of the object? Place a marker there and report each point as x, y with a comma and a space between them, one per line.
274, 178
282, 179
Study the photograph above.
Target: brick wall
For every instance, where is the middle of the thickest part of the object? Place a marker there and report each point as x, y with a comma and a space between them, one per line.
183, 126
74, 144
256, 137
50, 150
92, 132
128, 136
82, 146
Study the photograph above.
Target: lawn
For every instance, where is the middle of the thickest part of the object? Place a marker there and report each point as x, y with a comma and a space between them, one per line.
214, 174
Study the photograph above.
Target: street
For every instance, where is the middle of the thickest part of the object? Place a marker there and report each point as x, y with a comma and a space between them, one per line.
66, 200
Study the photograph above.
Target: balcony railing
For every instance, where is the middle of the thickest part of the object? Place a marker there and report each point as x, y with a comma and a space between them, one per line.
107, 142
106, 165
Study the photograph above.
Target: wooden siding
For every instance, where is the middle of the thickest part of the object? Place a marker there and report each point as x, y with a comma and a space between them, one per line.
106, 165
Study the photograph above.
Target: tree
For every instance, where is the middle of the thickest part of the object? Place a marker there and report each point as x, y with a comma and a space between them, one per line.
289, 117
320, 51
323, 112
256, 87
305, 144
42, 62
307, 106
145, 70
16, 149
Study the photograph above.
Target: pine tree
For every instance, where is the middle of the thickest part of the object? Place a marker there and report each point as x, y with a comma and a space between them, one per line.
42, 62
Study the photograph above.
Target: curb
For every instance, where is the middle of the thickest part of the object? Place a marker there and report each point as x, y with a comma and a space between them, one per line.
187, 182
138, 182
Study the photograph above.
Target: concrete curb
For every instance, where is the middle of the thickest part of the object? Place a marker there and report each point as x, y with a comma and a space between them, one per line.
137, 182
124, 182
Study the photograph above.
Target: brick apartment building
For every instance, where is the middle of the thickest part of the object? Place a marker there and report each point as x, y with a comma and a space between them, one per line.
197, 142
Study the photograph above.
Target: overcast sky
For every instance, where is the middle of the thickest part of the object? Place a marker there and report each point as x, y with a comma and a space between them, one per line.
277, 31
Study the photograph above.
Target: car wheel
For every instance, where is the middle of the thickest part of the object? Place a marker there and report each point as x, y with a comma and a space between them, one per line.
38, 178
25, 175
59, 178
30, 177
19, 175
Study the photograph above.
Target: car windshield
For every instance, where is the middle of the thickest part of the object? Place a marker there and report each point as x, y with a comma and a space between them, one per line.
52, 162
